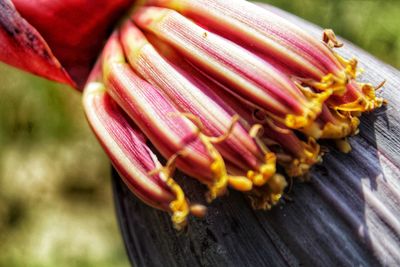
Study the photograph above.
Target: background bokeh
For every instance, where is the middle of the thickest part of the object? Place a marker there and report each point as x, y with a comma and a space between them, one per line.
56, 206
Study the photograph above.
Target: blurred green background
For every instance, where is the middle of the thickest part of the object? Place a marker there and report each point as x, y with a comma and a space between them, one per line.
56, 206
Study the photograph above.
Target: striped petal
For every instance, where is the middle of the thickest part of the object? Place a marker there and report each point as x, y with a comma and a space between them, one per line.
263, 31
171, 133
247, 75
295, 155
285, 46
126, 147
192, 93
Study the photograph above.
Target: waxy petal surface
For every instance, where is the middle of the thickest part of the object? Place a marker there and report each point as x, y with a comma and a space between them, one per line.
283, 44
162, 123
192, 93
260, 29
127, 149
247, 75
299, 156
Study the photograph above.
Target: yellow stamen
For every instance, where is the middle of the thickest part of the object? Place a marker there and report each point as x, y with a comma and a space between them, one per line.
337, 82
218, 168
349, 65
313, 108
240, 183
218, 187
178, 207
329, 82
367, 101
295, 122
264, 173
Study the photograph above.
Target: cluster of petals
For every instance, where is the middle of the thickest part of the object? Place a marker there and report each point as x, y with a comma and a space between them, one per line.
227, 92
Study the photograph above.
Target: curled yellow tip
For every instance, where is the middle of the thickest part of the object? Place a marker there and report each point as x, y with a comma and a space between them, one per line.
228, 132
264, 173
256, 130
313, 107
179, 207
220, 177
368, 101
332, 83
350, 66
218, 187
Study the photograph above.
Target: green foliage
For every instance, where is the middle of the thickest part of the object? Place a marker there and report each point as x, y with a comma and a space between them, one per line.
55, 197
55, 194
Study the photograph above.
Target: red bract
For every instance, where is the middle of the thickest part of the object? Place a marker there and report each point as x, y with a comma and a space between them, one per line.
23, 47
47, 37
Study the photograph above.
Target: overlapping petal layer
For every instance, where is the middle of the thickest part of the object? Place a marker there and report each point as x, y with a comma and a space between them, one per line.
193, 94
285, 45
244, 73
126, 146
172, 133
224, 90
